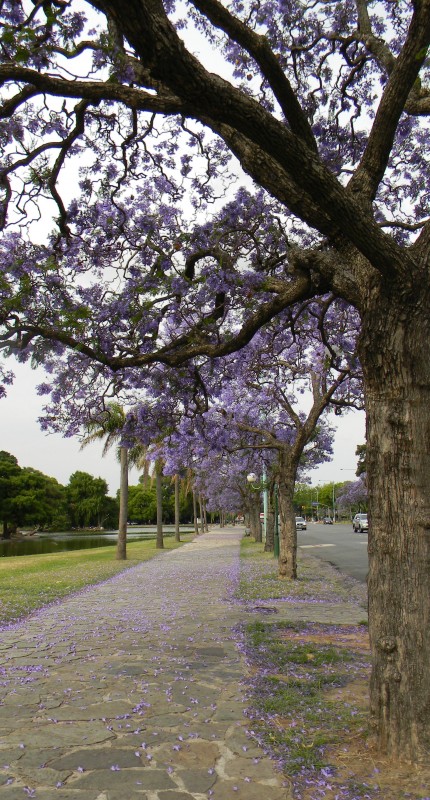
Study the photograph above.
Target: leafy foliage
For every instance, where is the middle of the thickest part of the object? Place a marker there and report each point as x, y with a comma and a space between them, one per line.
28, 498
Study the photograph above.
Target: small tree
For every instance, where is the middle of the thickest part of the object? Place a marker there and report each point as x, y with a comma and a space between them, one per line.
354, 496
39, 501
86, 497
252, 405
361, 464
109, 426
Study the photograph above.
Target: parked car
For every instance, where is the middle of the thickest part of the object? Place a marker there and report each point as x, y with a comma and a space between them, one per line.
300, 524
327, 521
360, 523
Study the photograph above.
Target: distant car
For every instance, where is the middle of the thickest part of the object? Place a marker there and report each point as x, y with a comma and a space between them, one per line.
360, 523
300, 524
328, 521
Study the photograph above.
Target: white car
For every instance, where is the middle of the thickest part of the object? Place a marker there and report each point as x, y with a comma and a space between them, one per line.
360, 523
300, 524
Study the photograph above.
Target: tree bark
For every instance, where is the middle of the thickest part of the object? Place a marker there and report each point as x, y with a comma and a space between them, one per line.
121, 548
159, 494
205, 516
6, 530
196, 525
270, 533
287, 526
177, 534
202, 520
254, 518
395, 359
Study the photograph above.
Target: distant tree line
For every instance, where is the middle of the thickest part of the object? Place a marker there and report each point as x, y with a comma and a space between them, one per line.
340, 500
316, 501
31, 500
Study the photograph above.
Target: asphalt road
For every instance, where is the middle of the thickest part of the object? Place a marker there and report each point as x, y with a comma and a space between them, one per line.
338, 545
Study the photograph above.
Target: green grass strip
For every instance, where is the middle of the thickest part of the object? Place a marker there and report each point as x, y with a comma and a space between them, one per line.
259, 579
296, 712
295, 690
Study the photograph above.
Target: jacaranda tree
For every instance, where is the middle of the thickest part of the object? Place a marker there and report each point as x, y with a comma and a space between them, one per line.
110, 115
253, 399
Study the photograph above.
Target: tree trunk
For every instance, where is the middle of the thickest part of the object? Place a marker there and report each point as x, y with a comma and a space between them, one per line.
270, 533
6, 530
196, 525
177, 534
121, 548
287, 526
396, 365
254, 518
159, 494
205, 516
202, 520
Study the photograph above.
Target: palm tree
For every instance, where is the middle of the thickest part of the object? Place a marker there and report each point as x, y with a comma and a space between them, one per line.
159, 491
177, 533
183, 488
109, 425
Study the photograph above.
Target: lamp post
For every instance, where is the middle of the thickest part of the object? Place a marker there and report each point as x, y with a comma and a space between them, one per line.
265, 504
317, 505
252, 479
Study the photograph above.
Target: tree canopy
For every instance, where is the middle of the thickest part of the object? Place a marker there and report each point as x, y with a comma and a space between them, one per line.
322, 105
31, 499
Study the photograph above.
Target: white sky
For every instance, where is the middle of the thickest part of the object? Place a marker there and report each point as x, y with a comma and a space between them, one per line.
53, 455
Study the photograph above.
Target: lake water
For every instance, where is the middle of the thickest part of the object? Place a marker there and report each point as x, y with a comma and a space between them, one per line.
72, 540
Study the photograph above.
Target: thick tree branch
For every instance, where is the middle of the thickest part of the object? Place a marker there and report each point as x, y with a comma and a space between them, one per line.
229, 111
19, 335
277, 158
94, 91
418, 101
402, 78
52, 183
260, 50
10, 106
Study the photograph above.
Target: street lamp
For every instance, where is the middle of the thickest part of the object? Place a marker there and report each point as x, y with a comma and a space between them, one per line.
252, 479
316, 504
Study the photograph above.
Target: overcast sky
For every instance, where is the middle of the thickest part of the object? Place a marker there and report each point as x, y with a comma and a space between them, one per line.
21, 436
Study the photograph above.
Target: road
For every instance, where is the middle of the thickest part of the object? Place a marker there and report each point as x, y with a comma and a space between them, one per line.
338, 545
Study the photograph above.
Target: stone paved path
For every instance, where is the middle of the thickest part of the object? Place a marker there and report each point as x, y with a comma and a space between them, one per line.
131, 689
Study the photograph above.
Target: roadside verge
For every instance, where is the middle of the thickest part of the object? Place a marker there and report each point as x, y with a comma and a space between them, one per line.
307, 650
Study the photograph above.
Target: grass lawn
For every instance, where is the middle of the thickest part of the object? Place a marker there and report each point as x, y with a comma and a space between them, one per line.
259, 579
30, 582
